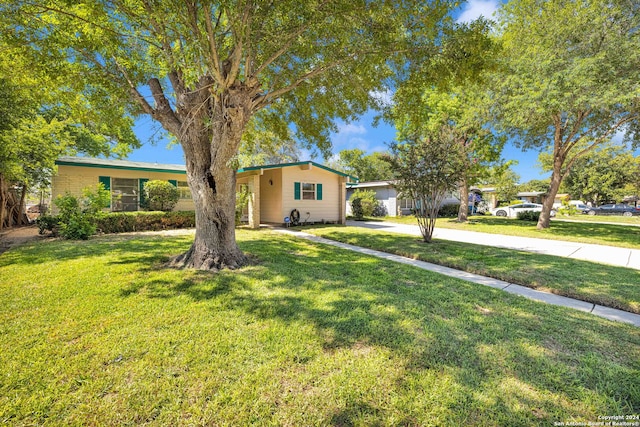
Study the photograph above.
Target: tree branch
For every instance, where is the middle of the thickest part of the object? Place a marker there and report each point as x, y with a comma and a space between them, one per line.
79, 18
214, 59
163, 111
266, 100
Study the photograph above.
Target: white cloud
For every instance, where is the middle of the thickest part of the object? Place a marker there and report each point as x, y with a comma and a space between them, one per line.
359, 143
351, 129
384, 97
474, 9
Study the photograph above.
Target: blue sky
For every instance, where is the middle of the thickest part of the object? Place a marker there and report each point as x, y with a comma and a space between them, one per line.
359, 134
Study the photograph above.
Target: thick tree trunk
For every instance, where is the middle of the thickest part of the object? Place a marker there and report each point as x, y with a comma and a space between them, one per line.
22, 217
3, 201
554, 186
463, 212
213, 190
211, 174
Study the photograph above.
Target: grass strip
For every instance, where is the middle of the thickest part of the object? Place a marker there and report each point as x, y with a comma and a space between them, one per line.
620, 235
610, 286
98, 333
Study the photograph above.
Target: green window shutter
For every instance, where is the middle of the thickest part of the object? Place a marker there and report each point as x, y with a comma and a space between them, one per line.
318, 191
173, 182
296, 191
143, 199
106, 182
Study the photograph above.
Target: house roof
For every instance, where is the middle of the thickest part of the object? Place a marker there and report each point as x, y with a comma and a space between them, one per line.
371, 184
309, 162
531, 193
92, 162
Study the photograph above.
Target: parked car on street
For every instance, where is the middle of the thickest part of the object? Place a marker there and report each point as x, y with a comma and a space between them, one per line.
614, 209
512, 211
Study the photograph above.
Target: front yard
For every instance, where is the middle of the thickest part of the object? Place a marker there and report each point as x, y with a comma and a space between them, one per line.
98, 333
611, 286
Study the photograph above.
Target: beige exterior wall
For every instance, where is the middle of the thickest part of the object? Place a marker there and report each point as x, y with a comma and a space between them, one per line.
271, 196
73, 179
327, 209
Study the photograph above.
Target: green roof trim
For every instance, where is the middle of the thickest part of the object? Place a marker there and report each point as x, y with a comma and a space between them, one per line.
284, 165
89, 162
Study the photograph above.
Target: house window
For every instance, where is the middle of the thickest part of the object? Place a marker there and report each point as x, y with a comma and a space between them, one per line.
406, 204
308, 191
124, 194
185, 192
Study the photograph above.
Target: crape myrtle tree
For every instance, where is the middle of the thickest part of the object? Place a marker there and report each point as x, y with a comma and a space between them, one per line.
458, 109
427, 165
209, 71
571, 78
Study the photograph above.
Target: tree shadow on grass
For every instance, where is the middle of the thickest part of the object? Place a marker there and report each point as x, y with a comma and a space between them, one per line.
534, 363
609, 286
118, 247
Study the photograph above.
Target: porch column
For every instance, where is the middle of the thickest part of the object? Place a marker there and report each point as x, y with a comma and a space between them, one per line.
343, 200
254, 201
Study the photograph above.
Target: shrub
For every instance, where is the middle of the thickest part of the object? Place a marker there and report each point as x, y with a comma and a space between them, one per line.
48, 223
124, 222
449, 210
160, 195
95, 200
73, 222
363, 203
568, 210
242, 200
529, 216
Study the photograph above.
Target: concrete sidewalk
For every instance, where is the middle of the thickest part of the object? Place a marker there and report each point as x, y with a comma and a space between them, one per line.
605, 312
621, 257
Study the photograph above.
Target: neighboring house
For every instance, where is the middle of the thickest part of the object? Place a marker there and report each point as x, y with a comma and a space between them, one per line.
489, 195
386, 195
393, 203
316, 191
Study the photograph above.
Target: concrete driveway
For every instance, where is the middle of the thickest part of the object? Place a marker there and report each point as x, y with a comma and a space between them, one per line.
611, 255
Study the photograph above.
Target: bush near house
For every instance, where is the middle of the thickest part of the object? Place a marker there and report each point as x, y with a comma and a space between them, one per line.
363, 203
77, 217
160, 196
126, 222
449, 210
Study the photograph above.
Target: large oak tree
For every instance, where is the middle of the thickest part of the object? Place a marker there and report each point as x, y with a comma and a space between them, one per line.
209, 71
571, 78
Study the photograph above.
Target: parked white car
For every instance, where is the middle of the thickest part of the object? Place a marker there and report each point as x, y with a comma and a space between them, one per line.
512, 211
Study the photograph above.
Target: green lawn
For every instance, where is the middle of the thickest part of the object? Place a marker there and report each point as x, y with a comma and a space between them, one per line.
587, 232
611, 286
98, 333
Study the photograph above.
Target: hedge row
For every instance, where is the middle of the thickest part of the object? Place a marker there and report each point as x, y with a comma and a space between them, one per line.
123, 222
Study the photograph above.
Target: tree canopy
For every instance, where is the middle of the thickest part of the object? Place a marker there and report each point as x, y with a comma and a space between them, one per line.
569, 79
367, 167
608, 173
209, 71
40, 121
